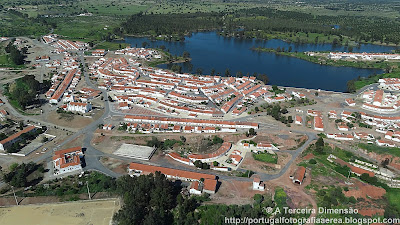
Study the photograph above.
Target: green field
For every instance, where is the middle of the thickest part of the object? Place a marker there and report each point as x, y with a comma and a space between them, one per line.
5, 62
110, 45
266, 157
380, 150
92, 28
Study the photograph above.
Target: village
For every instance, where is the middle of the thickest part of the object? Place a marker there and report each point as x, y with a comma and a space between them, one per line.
112, 105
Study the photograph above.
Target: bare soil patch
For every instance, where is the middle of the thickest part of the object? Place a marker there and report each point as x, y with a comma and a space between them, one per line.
72, 121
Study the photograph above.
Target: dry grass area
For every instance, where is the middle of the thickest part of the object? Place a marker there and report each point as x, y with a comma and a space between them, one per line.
250, 163
142, 111
115, 165
284, 140
236, 192
78, 141
74, 213
66, 120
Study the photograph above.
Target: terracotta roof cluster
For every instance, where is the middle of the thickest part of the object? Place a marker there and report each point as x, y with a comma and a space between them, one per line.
147, 169
156, 119
354, 169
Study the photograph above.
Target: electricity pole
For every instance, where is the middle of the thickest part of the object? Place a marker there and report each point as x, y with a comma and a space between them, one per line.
87, 185
15, 197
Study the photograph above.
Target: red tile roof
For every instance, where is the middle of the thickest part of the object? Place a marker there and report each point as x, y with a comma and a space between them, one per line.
172, 172
16, 135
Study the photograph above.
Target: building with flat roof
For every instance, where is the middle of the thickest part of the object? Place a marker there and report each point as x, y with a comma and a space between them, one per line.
135, 151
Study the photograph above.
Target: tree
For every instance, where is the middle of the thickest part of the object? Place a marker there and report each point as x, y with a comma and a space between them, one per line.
21, 125
212, 71
199, 71
227, 72
351, 86
144, 44
290, 119
335, 42
319, 145
385, 162
264, 78
186, 55
252, 132
147, 200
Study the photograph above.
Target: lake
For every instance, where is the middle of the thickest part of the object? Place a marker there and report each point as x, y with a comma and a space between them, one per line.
209, 50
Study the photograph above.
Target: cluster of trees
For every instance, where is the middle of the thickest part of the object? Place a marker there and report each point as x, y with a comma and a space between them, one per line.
201, 165
25, 89
153, 199
180, 24
16, 23
68, 187
147, 200
18, 174
166, 144
17, 56
333, 197
259, 21
251, 132
277, 112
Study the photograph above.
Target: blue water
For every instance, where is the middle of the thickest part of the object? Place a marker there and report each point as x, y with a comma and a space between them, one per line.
209, 50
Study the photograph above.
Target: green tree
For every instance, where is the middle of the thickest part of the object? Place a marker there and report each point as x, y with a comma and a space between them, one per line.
186, 54
227, 72
252, 132
319, 145
264, 78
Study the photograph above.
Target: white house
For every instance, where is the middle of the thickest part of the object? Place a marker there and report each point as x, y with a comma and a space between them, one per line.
79, 107
258, 184
67, 160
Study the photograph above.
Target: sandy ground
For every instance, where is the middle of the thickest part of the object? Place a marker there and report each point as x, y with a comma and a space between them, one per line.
78, 141
76, 121
284, 140
74, 213
236, 192
115, 165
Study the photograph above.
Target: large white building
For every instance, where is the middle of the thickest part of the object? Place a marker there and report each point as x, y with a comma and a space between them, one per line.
67, 160
79, 107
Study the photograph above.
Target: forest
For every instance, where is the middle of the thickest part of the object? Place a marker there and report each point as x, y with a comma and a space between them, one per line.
181, 24
260, 22
153, 199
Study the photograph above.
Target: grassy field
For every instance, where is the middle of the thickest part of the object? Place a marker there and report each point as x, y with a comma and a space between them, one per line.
84, 212
380, 150
7, 63
265, 157
91, 28
111, 45
374, 79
